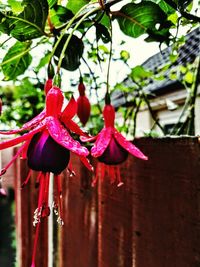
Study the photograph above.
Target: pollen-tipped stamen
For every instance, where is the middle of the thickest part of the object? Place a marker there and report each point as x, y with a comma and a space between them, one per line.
59, 199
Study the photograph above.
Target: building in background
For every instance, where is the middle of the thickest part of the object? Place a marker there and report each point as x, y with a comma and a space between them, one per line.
168, 94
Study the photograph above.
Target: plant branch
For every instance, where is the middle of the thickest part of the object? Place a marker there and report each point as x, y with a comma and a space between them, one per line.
152, 113
69, 37
182, 11
109, 59
96, 86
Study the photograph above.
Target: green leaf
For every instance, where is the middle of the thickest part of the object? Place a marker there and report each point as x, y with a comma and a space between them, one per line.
52, 3
189, 77
173, 18
74, 6
102, 33
73, 53
135, 19
139, 73
166, 8
59, 15
30, 23
4, 24
16, 61
16, 6
124, 55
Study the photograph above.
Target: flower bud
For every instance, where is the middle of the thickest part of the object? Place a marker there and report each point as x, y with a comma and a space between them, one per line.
83, 105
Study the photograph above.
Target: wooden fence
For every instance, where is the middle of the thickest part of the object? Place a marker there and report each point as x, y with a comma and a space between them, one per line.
153, 220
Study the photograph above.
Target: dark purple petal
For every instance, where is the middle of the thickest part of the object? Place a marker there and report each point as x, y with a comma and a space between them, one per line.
45, 155
114, 154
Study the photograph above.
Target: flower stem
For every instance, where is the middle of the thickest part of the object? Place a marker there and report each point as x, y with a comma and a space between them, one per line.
109, 60
65, 29
70, 35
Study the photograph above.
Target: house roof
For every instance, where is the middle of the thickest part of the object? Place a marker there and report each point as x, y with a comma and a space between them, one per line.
186, 54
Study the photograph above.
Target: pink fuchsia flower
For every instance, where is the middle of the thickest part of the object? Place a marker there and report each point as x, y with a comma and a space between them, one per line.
47, 146
52, 124
111, 148
83, 104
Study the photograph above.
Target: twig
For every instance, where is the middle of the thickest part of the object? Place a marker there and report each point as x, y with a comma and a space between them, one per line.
182, 11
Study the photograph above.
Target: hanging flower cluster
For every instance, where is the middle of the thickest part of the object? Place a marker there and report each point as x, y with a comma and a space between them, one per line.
111, 148
47, 144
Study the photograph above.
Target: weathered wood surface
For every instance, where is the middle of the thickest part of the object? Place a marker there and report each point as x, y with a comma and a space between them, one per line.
153, 220
79, 234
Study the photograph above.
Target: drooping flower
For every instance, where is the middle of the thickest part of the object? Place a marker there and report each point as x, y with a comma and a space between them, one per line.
111, 148
83, 104
47, 146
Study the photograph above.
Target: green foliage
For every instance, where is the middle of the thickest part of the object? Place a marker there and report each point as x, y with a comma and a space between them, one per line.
75, 6
139, 73
30, 23
137, 19
16, 61
59, 15
52, 3
73, 53
51, 25
28, 95
102, 33
16, 6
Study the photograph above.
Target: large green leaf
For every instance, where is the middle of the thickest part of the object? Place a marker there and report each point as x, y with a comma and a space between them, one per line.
16, 61
136, 19
73, 53
59, 15
74, 6
30, 23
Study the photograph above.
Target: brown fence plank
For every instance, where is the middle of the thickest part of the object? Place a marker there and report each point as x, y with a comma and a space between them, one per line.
79, 233
153, 220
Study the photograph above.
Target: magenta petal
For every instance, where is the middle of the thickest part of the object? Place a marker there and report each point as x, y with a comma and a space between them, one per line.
103, 140
70, 110
27, 125
20, 139
62, 137
35, 120
74, 128
132, 149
